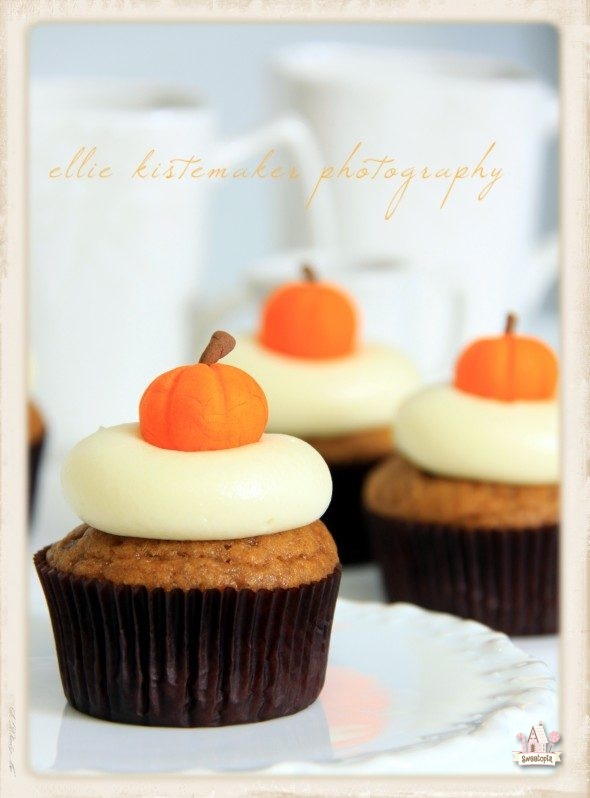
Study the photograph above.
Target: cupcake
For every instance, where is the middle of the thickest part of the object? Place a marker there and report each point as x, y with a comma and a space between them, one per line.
36, 440
326, 387
200, 588
464, 517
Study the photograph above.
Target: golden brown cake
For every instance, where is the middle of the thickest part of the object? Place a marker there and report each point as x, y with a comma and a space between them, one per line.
366, 446
398, 489
35, 425
282, 560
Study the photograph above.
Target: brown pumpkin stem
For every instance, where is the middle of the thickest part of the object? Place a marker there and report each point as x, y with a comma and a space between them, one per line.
511, 321
309, 274
220, 345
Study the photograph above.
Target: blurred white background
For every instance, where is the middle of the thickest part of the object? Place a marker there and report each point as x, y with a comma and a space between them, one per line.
86, 378
228, 65
106, 319
89, 323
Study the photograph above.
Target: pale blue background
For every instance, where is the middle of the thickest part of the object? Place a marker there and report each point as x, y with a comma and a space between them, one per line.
228, 63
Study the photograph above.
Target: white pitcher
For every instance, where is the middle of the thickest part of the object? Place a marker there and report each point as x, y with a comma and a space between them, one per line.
435, 110
116, 263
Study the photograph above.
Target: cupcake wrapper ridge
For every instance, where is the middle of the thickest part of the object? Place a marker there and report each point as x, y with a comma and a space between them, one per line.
504, 578
188, 658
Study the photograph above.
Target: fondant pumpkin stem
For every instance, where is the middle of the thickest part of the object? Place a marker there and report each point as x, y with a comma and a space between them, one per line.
309, 274
220, 345
511, 321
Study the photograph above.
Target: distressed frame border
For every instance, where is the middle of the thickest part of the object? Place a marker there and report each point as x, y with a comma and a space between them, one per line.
571, 18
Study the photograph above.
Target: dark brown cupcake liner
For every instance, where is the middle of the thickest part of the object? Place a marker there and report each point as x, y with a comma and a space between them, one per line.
344, 516
504, 578
35, 455
188, 658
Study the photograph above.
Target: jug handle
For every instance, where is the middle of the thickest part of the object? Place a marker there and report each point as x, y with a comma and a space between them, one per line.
292, 132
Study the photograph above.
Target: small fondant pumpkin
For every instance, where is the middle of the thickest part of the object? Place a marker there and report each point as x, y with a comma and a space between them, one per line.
204, 406
309, 319
508, 367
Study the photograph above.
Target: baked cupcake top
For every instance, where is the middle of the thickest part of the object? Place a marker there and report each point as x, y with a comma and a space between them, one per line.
397, 489
198, 466
499, 420
319, 379
280, 560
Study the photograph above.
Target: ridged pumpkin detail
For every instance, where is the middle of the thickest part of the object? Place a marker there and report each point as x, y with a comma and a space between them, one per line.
204, 406
508, 367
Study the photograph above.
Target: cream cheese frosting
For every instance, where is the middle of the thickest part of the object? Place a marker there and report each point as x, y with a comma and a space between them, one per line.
117, 482
328, 397
452, 433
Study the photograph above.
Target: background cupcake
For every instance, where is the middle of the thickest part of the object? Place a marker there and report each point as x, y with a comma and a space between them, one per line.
200, 589
464, 518
326, 387
36, 439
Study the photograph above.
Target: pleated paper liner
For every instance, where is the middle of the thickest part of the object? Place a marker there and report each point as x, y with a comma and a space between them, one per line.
34, 461
188, 658
504, 578
344, 517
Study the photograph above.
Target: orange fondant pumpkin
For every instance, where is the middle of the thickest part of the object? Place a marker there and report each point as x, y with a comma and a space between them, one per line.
508, 367
204, 406
309, 319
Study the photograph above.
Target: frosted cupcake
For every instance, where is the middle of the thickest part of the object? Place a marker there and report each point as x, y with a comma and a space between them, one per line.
201, 586
464, 517
326, 387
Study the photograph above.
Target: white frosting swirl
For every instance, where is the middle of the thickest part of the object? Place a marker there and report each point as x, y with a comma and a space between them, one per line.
117, 482
454, 434
328, 397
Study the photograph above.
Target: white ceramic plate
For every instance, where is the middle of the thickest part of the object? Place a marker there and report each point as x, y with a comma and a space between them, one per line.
407, 691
